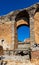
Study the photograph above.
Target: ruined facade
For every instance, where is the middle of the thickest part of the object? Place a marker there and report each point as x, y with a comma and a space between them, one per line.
10, 22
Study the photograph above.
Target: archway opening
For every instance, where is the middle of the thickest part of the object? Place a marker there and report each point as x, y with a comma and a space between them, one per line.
23, 25
23, 33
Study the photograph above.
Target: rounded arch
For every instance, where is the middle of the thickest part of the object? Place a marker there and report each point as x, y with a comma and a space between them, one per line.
22, 25
22, 18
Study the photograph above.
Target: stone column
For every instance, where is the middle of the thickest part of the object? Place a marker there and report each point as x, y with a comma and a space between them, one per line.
14, 36
32, 36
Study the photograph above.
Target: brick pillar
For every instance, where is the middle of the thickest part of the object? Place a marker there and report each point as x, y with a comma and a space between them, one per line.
32, 37
14, 36
32, 34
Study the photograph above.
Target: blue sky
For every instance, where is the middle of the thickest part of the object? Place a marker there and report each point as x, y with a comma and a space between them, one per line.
23, 33
7, 6
10, 5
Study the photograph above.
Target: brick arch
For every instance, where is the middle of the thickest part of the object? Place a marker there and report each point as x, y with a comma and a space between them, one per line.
36, 25
22, 25
22, 18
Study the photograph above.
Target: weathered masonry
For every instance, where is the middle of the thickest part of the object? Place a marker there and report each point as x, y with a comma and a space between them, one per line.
10, 22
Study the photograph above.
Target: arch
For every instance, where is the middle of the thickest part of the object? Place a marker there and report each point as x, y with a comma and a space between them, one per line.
22, 18
22, 25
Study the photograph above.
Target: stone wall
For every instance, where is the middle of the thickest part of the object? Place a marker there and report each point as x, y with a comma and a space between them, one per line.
35, 54
5, 34
36, 27
8, 28
8, 34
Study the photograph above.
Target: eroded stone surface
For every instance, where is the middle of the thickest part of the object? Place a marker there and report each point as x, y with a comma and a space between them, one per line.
36, 27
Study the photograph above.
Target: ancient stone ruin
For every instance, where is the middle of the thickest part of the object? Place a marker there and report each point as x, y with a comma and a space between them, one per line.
11, 22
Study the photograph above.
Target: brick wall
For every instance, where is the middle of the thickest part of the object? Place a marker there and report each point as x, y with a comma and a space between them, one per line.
35, 54
5, 33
